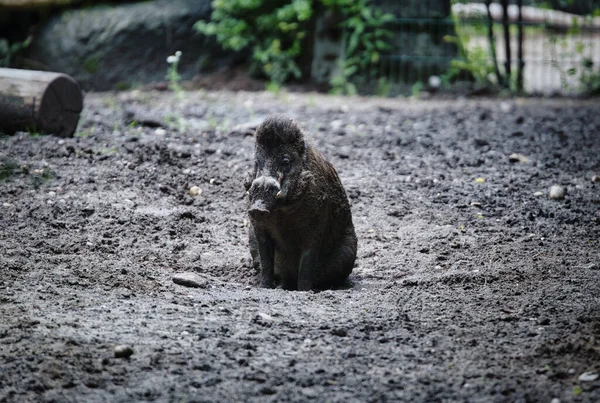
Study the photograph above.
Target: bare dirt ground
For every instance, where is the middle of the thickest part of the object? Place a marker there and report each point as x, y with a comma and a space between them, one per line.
468, 285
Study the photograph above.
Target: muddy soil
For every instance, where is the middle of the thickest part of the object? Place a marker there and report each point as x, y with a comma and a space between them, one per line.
470, 285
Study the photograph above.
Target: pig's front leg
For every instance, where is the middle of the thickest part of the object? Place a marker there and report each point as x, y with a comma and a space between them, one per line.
266, 257
308, 263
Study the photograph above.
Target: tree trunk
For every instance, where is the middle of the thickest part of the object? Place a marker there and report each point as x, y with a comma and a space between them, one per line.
492, 41
520, 48
39, 101
506, 25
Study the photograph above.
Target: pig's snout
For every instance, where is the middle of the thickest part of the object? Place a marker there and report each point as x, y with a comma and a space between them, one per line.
258, 211
263, 194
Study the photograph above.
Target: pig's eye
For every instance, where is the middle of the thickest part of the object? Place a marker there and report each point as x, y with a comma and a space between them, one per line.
285, 164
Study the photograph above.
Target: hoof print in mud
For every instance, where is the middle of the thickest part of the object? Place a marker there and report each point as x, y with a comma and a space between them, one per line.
301, 232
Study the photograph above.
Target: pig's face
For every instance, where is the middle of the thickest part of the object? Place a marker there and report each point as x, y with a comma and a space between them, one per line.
278, 163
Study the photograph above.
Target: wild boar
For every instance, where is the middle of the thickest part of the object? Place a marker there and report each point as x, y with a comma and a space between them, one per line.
301, 231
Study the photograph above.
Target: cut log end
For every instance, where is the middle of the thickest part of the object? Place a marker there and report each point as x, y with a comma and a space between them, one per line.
39, 101
60, 107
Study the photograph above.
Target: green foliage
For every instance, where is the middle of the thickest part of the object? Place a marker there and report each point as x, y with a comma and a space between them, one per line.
384, 87
8, 167
475, 60
272, 29
91, 64
584, 71
173, 74
416, 89
9, 51
590, 78
365, 37
340, 83
274, 32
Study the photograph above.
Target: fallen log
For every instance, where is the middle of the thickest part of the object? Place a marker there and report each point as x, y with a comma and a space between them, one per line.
39, 101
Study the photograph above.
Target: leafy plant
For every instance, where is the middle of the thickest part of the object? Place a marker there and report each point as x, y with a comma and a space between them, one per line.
173, 75
272, 30
275, 32
8, 51
474, 60
365, 37
8, 167
416, 89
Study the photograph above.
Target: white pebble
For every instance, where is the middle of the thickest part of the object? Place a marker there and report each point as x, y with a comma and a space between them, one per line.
556, 192
160, 131
538, 194
195, 191
588, 376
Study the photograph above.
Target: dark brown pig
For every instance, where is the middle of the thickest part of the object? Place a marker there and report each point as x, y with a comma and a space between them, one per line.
301, 231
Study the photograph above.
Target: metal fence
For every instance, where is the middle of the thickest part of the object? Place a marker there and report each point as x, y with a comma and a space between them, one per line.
561, 51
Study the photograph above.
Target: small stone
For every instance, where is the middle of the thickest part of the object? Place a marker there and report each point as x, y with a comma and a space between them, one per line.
505, 107
538, 194
476, 204
340, 332
160, 131
555, 400
6, 205
51, 193
195, 191
515, 157
336, 124
588, 376
480, 180
556, 192
266, 317
596, 178
190, 279
123, 351
424, 250
212, 181
246, 129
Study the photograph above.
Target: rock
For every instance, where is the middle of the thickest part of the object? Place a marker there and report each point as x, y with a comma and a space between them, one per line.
190, 279
517, 158
480, 180
142, 116
588, 376
195, 191
123, 351
246, 129
266, 317
596, 178
538, 194
476, 204
114, 47
556, 192
340, 332
160, 131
